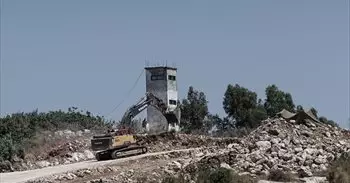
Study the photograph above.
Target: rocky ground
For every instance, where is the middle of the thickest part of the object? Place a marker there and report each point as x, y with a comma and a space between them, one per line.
304, 150
150, 169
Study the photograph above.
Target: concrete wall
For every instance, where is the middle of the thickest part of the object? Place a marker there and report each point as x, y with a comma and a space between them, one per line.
172, 93
155, 119
157, 87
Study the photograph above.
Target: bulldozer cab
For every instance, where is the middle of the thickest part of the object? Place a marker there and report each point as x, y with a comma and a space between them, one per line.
124, 131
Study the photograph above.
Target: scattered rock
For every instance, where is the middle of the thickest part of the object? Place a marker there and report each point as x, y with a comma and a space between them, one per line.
327, 134
88, 154
273, 132
79, 133
314, 180
263, 145
225, 165
306, 133
87, 131
43, 164
305, 172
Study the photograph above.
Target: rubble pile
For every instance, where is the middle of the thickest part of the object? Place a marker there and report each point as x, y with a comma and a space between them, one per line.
65, 150
172, 141
302, 149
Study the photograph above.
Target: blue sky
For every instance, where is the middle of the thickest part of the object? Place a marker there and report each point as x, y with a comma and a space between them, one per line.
57, 54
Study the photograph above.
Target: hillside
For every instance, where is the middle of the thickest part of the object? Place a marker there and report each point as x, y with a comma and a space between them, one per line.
277, 150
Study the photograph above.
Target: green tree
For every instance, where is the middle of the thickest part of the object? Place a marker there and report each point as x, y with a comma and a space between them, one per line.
277, 100
193, 110
323, 119
300, 108
241, 105
332, 123
314, 111
221, 124
257, 115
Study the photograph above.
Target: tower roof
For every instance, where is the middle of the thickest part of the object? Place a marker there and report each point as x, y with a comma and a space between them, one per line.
161, 67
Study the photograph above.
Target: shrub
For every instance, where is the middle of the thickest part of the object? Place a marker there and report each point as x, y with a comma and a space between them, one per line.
7, 147
339, 170
280, 176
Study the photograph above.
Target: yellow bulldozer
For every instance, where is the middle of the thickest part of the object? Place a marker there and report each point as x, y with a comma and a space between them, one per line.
122, 142
116, 144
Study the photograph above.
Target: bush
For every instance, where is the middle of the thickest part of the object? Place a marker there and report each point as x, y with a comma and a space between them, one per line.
7, 147
339, 171
18, 130
208, 175
280, 176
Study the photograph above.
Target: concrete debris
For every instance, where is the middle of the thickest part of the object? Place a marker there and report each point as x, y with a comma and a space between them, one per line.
43, 164
88, 154
286, 146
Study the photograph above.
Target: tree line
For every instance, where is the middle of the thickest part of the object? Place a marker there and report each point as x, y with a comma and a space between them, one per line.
243, 108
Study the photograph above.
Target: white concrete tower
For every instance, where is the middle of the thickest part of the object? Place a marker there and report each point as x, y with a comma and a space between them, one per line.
162, 83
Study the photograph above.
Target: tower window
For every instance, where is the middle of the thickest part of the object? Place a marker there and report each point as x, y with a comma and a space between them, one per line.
172, 102
157, 77
171, 77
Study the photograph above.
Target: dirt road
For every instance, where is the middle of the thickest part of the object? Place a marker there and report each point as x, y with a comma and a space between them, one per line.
23, 176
